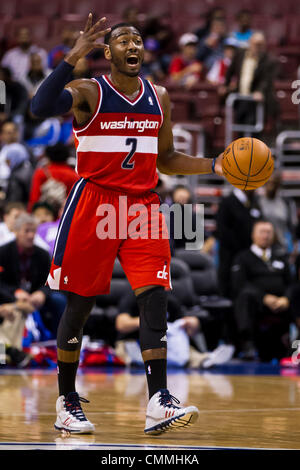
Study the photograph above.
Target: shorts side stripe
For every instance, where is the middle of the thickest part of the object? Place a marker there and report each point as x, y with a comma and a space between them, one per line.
61, 238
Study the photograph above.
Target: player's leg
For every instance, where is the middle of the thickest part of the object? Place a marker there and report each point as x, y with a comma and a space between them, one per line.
70, 416
146, 262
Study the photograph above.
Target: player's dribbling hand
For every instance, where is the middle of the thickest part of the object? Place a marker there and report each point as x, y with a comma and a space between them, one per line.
88, 40
218, 165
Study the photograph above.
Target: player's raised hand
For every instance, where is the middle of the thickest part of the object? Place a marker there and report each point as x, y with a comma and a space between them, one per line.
87, 40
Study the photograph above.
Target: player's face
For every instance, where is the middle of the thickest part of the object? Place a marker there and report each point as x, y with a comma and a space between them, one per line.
127, 50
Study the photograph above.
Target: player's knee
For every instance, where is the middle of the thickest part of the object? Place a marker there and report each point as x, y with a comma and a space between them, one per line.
153, 318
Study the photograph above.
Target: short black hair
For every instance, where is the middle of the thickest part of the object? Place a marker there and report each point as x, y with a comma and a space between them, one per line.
44, 205
58, 152
115, 26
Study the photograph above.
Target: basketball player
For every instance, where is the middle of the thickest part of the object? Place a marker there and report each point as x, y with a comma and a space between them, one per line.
122, 130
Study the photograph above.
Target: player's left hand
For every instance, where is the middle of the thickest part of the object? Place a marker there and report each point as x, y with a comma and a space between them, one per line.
218, 165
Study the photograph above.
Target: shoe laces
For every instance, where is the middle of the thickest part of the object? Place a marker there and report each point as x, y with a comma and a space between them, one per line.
73, 406
166, 399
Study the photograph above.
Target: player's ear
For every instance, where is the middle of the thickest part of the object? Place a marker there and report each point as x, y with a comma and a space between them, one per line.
107, 53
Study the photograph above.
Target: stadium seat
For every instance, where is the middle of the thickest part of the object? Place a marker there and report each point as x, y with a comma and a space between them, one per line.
38, 25
32, 8
182, 282
204, 276
181, 106
8, 9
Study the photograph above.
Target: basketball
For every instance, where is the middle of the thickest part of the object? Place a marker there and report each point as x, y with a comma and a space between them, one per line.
247, 163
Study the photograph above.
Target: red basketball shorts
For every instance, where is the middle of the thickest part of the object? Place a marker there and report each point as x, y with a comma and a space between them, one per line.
99, 225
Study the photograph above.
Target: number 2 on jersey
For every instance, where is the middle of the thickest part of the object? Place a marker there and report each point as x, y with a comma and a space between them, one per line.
126, 164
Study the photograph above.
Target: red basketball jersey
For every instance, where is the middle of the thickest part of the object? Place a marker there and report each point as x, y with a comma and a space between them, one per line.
118, 146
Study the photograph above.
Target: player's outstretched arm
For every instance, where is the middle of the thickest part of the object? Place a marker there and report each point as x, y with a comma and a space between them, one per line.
52, 99
170, 161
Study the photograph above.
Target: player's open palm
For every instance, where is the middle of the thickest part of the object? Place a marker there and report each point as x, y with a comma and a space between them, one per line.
89, 38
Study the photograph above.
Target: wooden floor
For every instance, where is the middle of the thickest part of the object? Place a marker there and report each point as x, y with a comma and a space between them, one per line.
236, 411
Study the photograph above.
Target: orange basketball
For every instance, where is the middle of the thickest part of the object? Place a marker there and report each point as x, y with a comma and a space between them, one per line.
247, 163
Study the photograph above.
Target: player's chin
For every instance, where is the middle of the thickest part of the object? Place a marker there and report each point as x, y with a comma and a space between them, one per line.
133, 71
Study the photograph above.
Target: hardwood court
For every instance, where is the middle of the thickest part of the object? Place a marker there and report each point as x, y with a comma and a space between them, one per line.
236, 410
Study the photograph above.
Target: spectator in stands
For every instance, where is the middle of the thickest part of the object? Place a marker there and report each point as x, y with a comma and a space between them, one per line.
16, 99
131, 15
185, 69
210, 48
53, 182
43, 212
216, 13
57, 54
81, 69
36, 74
158, 28
260, 283
47, 230
21, 172
217, 74
252, 73
151, 68
127, 321
12, 210
12, 322
185, 336
244, 30
18, 58
236, 215
281, 212
24, 270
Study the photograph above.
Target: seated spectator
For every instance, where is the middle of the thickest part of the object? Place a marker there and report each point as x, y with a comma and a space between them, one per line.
186, 342
151, 68
36, 74
81, 69
252, 73
47, 230
21, 171
17, 59
217, 73
12, 210
236, 215
216, 13
12, 322
280, 211
24, 270
43, 212
244, 30
185, 69
260, 284
158, 28
53, 182
210, 48
57, 54
16, 99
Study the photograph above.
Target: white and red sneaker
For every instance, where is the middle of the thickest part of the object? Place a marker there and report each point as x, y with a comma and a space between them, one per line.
70, 417
162, 415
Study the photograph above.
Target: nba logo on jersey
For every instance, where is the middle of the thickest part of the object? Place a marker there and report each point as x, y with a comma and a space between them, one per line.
150, 100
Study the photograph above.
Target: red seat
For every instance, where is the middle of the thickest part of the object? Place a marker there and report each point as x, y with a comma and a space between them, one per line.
38, 26
8, 9
289, 111
32, 8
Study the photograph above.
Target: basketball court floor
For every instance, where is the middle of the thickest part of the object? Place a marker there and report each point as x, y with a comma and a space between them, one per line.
252, 406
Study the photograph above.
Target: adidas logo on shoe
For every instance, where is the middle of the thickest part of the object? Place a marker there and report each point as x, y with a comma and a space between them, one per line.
73, 340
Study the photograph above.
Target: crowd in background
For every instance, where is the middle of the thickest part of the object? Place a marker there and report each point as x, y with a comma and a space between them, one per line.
238, 296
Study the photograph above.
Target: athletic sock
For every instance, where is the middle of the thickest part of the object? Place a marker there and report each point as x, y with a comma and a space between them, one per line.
66, 377
156, 373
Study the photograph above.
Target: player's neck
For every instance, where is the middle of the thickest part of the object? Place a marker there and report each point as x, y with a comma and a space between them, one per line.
129, 86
